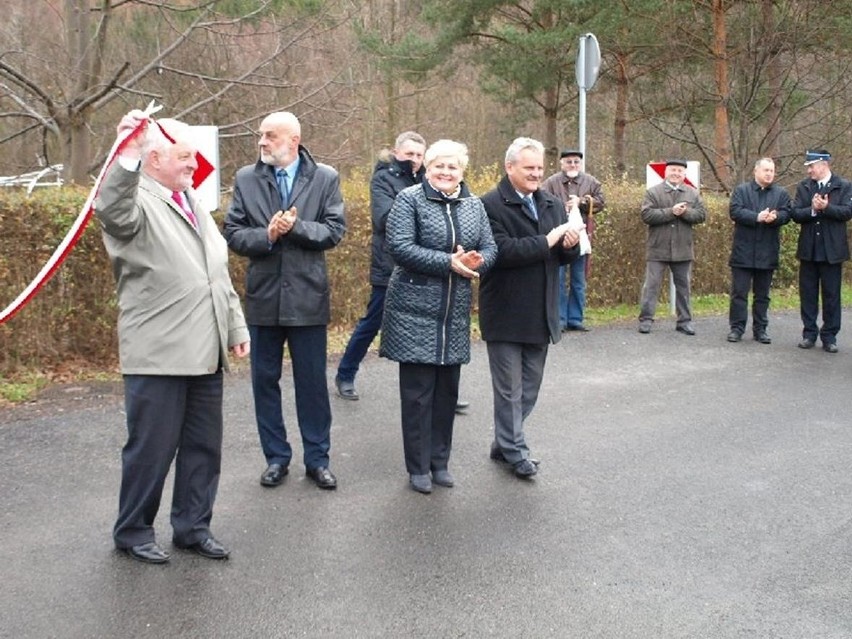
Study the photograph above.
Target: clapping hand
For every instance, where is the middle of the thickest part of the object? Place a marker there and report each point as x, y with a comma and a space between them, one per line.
281, 224
465, 262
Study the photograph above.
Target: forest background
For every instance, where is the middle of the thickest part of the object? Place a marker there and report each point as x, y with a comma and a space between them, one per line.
719, 81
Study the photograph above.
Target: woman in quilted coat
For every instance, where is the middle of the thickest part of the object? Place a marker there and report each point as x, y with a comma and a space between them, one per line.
440, 239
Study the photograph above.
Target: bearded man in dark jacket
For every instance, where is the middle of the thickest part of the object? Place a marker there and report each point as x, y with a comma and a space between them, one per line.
518, 297
393, 173
287, 211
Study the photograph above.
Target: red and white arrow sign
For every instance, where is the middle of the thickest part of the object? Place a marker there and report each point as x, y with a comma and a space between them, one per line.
655, 172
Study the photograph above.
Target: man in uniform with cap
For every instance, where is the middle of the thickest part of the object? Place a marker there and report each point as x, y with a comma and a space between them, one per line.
575, 188
822, 207
670, 209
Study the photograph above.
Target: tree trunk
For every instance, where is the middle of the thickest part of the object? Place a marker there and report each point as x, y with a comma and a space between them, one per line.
722, 152
774, 73
551, 142
78, 150
622, 88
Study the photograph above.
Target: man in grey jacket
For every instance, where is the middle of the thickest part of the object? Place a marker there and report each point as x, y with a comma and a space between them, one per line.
670, 209
178, 317
287, 211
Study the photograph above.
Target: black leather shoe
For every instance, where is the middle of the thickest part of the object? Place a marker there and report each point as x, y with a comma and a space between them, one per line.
762, 337
322, 477
524, 469
346, 389
831, 347
209, 548
273, 475
806, 343
461, 407
582, 328
735, 336
686, 329
644, 328
149, 553
497, 455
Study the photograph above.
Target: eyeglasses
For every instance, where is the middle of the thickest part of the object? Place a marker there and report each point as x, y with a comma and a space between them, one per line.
572, 161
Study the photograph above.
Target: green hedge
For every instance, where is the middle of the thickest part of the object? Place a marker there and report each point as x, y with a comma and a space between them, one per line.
72, 320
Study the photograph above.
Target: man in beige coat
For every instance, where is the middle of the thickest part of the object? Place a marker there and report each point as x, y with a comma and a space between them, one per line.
178, 317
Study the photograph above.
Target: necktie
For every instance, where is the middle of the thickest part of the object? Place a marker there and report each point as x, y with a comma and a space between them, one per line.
281, 177
183, 207
530, 204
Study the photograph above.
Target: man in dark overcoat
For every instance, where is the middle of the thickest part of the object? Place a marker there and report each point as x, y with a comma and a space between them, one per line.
518, 311
759, 209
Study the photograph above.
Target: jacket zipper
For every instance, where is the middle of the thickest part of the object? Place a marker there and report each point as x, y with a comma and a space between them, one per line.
449, 287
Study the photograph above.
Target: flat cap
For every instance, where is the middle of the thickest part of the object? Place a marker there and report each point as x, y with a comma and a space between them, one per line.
571, 152
676, 163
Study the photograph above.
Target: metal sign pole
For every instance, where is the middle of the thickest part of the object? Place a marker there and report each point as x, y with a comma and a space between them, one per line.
581, 64
587, 67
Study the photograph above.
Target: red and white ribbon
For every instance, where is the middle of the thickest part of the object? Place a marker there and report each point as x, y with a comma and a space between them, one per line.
76, 231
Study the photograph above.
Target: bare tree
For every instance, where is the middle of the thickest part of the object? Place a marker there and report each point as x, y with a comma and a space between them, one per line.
753, 77
64, 75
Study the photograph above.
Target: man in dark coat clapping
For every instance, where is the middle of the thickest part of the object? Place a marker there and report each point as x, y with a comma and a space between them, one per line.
759, 209
822, 206
518, 311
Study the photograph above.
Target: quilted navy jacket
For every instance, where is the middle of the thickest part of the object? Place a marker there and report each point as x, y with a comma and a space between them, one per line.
427, 307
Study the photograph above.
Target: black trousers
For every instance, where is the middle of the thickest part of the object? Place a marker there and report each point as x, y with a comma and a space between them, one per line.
759, 281
815, 279
167, 416
428, 396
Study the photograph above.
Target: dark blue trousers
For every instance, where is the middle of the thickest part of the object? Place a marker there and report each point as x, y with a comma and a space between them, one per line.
307, 348
168, 415
365, 332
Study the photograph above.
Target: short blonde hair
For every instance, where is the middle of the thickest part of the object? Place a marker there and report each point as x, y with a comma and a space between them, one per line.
446, 149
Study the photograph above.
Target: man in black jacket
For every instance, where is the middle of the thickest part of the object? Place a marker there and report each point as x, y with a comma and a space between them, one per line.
391, 175
287, 211
759, 209
822, 206
518, 310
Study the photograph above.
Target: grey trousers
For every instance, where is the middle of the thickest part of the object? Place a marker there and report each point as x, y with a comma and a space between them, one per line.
516, 373
654, 272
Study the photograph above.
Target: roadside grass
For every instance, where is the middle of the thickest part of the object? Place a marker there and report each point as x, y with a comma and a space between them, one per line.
26, 386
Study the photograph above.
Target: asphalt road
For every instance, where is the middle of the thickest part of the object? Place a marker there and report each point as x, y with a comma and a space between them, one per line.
688, 488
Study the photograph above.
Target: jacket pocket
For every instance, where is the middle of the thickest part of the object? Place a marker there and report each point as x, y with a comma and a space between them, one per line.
411, 278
